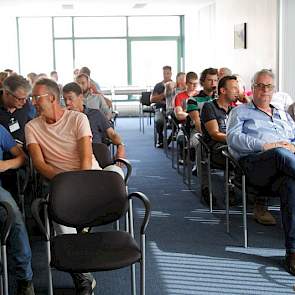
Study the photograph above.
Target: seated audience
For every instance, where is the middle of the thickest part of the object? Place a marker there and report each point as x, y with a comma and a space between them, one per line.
94, 85
208, 81
54, 77
182, 97
92, 100
99, 124
172, 89
244, 95
3, 76
15, 109
32, 77
158, 97
291, 110
180, 105
222, 72
213, 121
262, 138
281, 100
19, 251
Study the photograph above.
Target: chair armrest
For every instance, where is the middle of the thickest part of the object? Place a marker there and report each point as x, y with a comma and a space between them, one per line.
222, 148
202, 142
147, 213
233, 161
37, 206
7, 223
25, 180
128, 166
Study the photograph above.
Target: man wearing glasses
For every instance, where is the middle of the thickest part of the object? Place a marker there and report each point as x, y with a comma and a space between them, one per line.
59, 140
262, 138
15, 109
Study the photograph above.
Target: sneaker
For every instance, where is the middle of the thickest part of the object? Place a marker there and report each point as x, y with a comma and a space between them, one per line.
25, 288
263, 216
84, 283
159, 145
205, 197
290, 263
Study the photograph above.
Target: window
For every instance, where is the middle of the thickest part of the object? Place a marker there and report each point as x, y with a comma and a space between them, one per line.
62, 27
107, 60
100, 26
116, 55
35, 44
148, 59
154, 26
64, 60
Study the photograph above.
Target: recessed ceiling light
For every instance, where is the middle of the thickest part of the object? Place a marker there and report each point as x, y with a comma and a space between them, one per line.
139, 5
67, 6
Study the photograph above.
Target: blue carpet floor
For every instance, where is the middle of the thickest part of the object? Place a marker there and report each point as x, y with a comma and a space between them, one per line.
188, 249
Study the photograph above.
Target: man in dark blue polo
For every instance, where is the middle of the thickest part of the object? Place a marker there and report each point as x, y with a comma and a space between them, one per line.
15, 109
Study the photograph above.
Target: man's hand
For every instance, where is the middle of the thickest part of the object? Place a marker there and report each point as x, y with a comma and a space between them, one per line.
283, 144
120, 154
3, 166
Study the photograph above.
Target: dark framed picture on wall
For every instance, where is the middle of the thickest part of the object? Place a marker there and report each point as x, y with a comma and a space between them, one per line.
240, 36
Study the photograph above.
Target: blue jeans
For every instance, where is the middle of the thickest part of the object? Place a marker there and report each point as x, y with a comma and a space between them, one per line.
18, 247
275, 168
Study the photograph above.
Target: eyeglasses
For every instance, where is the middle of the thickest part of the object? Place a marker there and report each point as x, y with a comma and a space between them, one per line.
37, 97
262, 86
16, 97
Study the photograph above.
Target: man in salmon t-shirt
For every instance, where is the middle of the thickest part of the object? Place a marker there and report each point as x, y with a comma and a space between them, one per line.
60, 140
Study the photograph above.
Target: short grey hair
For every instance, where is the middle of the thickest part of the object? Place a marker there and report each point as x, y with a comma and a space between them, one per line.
51, 86
260, 73
14, 82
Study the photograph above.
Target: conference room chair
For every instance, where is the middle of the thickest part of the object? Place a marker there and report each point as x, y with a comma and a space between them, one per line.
91, 198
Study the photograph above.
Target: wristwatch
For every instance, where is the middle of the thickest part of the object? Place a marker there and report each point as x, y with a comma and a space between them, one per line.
121, 144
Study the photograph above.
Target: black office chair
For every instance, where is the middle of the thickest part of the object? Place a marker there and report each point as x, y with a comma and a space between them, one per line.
86, 199
145, 107
16, 182
104, 158
235, 176
206, 160
5, 230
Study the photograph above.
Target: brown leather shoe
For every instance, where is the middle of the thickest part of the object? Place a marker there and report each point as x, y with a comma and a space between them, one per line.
263, 216
290, 263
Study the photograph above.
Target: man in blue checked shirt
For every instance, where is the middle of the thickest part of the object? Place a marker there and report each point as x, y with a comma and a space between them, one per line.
262, 138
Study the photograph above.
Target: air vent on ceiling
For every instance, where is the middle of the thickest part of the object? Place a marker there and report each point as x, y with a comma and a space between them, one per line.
67, 6
139, 5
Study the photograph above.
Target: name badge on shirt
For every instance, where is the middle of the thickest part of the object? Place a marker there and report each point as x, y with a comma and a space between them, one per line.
13, 126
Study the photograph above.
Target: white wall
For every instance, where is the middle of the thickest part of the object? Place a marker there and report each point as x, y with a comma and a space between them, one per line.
287, 62
200, 39
261, 19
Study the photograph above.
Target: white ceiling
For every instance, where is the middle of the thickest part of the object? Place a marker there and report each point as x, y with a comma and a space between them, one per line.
99, 7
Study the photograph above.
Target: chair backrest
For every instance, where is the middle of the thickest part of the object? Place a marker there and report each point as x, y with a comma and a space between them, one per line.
145, 98
87, 198
102, 154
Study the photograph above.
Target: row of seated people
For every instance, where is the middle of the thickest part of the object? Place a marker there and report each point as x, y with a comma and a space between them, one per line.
57, 139
258, 134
